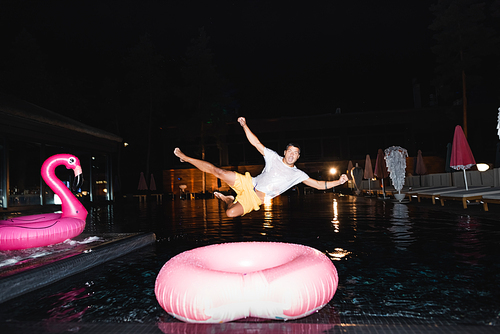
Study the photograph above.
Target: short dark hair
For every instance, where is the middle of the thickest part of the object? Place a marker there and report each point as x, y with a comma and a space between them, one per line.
292, 144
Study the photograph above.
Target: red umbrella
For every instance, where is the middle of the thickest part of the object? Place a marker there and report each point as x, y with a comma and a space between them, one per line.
152, 183
420, 168
420, 165
142, 183
368, 168
381, 169
368, 173
461, 155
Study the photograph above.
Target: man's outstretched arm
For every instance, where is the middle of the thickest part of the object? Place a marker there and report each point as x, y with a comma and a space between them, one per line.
325, 184
250, 136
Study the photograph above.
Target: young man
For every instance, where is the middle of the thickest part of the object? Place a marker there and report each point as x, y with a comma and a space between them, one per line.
279, 175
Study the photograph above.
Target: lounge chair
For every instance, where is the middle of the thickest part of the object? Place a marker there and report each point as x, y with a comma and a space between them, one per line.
415, 191
490, 199
469, 195
437, 193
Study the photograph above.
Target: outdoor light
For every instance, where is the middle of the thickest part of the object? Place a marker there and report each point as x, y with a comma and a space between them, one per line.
333, 170
57, 199
482, 167
125, 144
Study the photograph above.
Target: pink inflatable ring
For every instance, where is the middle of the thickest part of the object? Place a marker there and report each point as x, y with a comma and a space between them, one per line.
226, 282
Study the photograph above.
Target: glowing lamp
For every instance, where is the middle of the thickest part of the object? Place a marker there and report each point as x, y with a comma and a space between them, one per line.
482, 167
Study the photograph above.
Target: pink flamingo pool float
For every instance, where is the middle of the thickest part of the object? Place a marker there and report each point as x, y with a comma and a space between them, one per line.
226, 282
51, 228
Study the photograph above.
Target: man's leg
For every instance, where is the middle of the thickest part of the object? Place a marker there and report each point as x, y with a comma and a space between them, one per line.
233, 209
225, 175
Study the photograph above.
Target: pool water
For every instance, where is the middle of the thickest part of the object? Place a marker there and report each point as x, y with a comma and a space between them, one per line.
395, 260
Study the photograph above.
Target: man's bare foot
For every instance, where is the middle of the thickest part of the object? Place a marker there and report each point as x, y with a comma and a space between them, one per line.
226, 199
179, 154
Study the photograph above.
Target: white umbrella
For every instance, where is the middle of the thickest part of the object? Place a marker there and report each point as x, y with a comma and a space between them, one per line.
498, 123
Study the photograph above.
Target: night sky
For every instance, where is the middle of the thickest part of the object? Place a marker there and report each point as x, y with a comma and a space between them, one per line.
282, 57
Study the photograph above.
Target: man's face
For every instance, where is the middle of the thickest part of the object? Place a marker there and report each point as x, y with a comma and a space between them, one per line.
291, 156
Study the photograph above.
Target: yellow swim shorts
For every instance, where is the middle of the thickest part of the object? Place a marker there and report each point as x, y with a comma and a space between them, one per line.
245, 194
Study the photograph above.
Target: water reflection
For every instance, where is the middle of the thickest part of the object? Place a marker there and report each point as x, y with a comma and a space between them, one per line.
468, 246
401, 227
65, 307
335, 220
448, 268
268, 215
338, 254
251, 327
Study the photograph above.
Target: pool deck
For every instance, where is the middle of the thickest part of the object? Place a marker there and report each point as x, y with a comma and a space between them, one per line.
42, 272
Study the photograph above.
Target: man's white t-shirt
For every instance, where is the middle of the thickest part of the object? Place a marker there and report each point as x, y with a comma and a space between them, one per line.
277, 177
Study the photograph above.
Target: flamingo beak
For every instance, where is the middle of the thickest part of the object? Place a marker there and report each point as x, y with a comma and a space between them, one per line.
78, 181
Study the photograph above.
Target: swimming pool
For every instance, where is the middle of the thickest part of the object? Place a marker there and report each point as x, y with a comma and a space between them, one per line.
397, 262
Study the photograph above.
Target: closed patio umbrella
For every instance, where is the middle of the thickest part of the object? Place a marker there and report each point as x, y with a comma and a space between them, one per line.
420, 168
357, 176
142, 183
498, 123
381, 169
447, 167
152, 183
368, 172
461, 154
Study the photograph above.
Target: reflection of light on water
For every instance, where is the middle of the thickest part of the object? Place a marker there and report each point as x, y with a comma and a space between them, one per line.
469, 247
268, 214
338, 254
401, 226
267, 225
335, 221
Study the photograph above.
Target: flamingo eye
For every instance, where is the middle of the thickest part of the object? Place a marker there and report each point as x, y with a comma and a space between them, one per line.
71, 161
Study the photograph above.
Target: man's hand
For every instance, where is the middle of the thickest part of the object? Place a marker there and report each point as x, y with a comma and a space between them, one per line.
343, 179
242, 121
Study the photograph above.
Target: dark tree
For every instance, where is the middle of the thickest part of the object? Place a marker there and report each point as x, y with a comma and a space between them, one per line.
205, 94
145, 95
463, 42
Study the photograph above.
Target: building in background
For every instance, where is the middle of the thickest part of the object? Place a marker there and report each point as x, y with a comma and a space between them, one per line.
327, 140
29, 134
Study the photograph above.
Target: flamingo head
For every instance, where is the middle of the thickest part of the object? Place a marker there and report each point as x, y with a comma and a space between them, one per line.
70, 162
73, 163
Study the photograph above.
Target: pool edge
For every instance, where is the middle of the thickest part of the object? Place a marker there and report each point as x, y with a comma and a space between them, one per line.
31, 280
